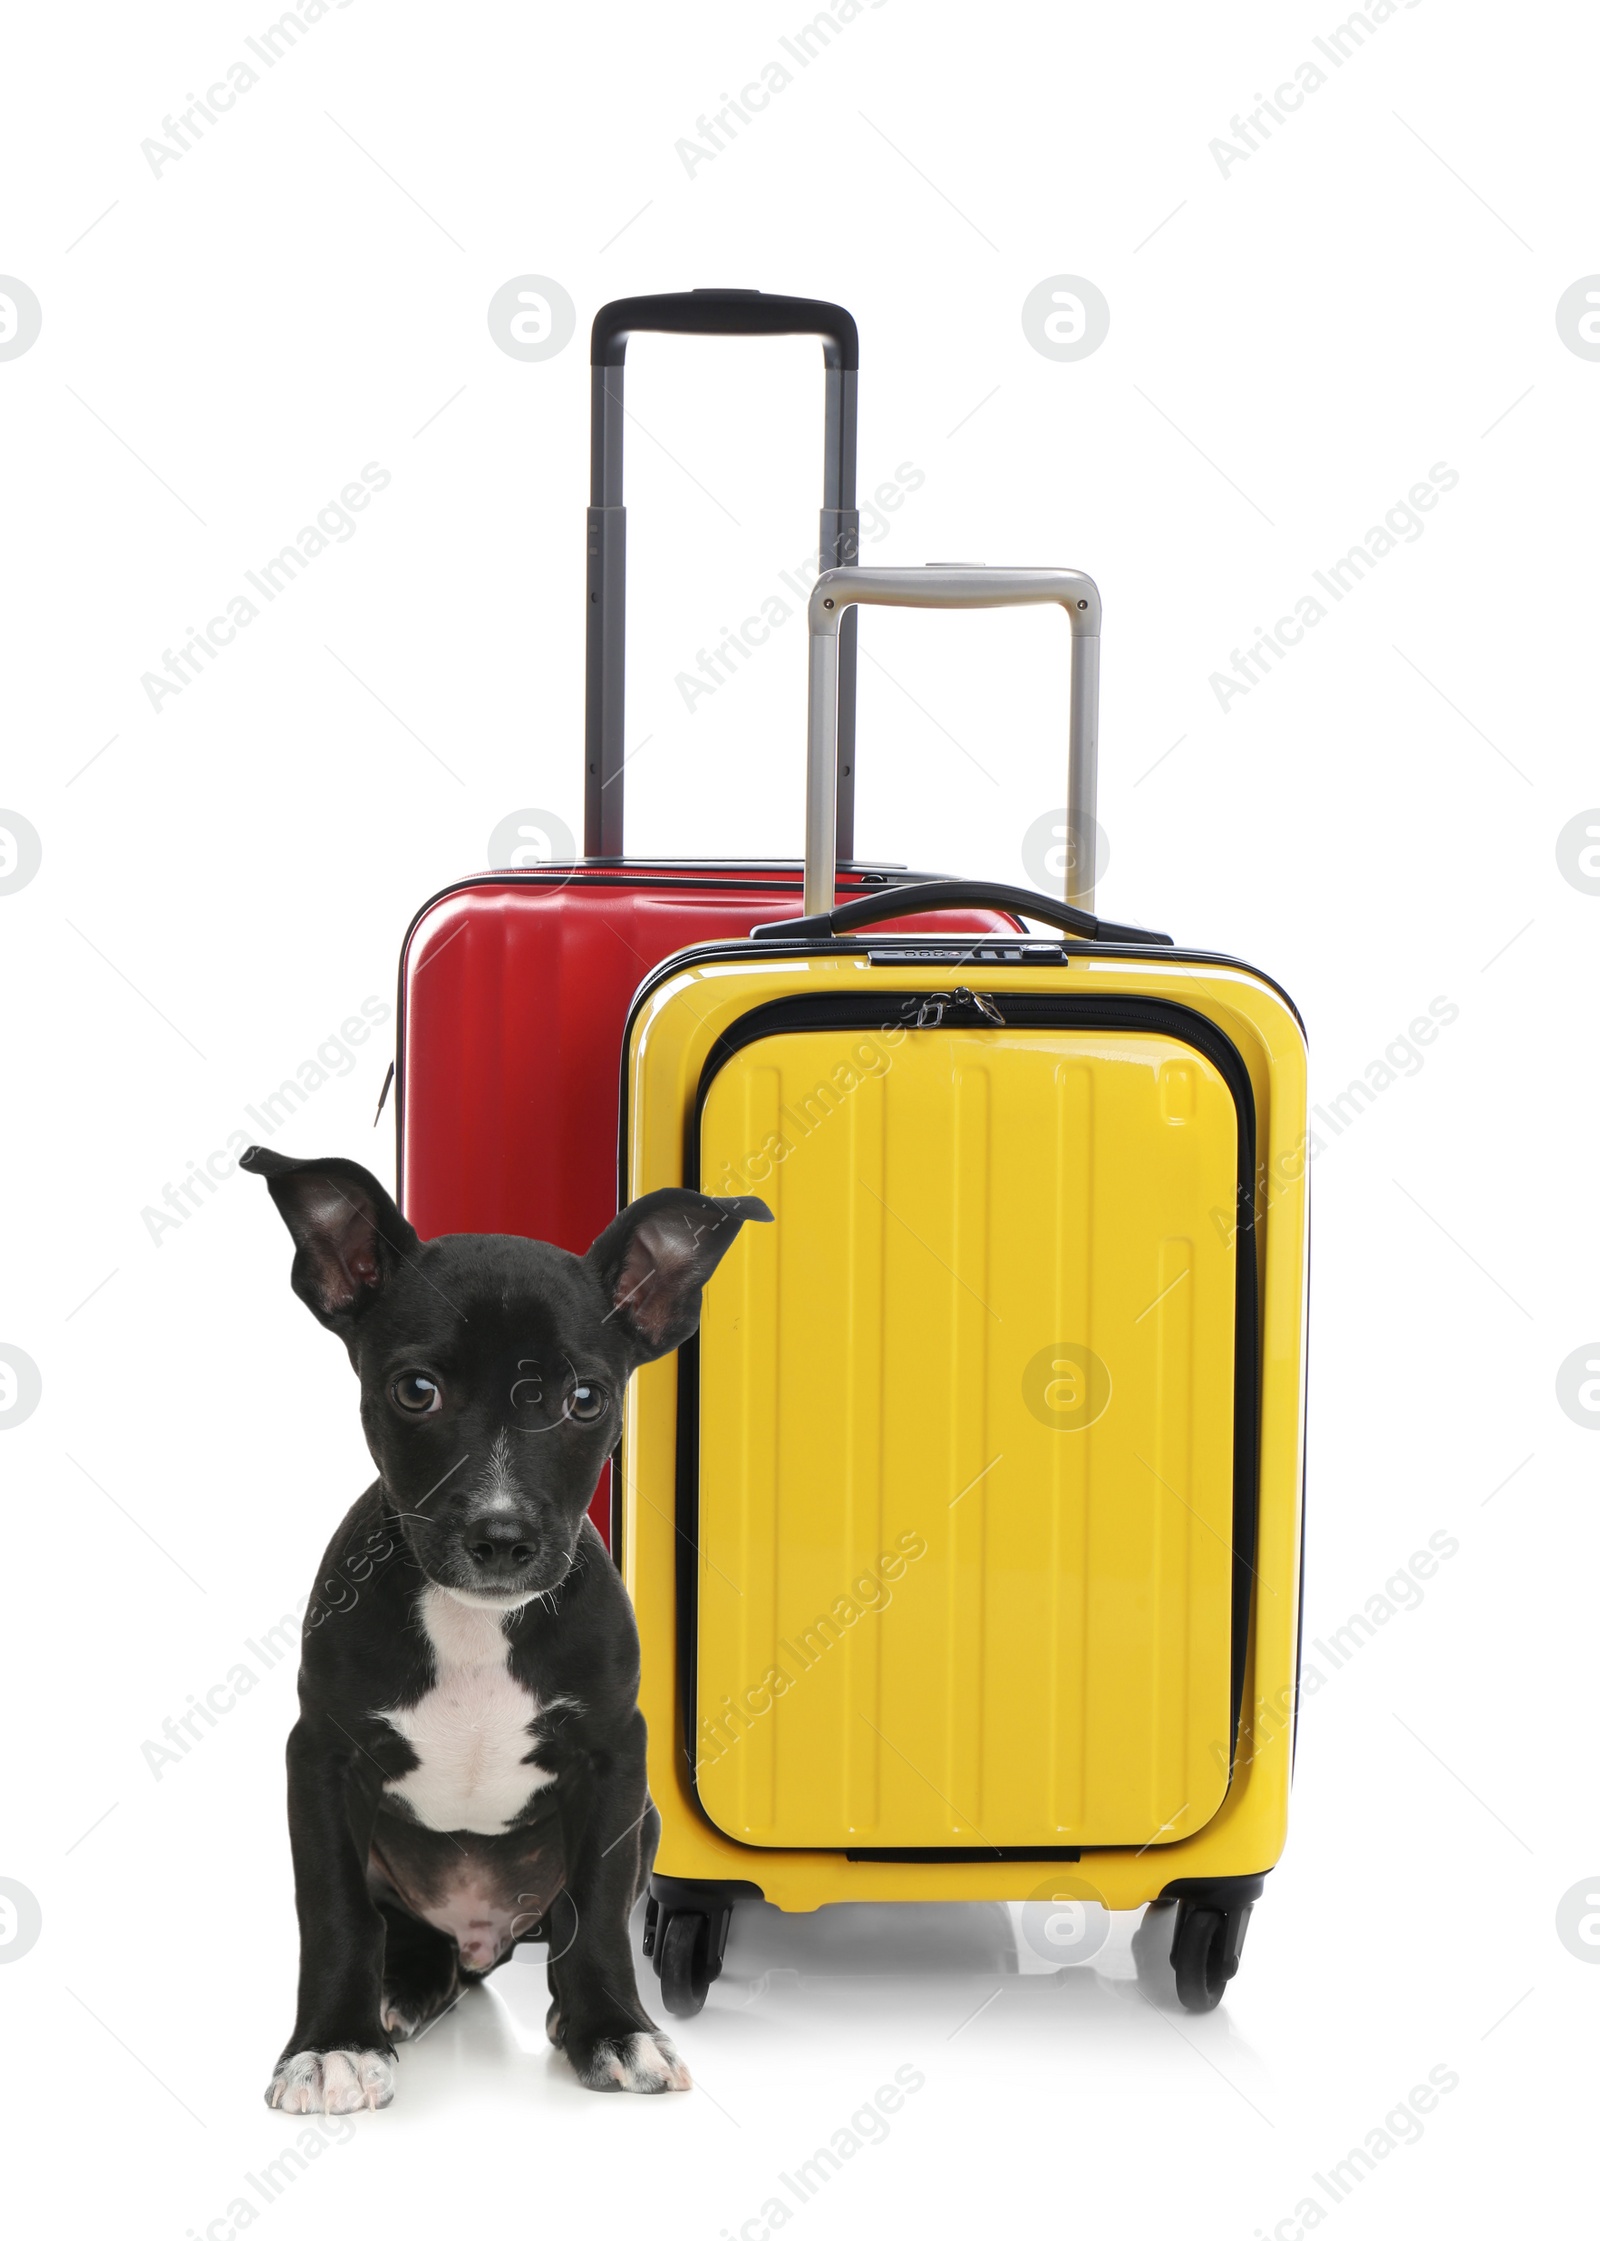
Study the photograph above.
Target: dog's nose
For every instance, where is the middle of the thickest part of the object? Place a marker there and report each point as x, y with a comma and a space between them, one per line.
499, 1544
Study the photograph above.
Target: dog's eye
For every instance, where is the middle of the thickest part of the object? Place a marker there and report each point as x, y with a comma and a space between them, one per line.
416, 1394
586, 1403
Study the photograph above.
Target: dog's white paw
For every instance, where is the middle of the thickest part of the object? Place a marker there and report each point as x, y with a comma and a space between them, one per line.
333, 2084
644, 2062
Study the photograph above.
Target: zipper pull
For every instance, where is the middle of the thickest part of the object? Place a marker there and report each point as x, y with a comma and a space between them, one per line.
933, 1008
985, 1004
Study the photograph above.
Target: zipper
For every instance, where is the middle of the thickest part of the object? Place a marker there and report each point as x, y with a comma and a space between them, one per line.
1131, 1013
932, 1009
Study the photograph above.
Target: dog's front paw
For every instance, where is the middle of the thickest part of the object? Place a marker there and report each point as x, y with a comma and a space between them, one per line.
332, 2084
643, 2062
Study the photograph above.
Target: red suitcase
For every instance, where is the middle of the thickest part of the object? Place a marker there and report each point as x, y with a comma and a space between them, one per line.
515, 986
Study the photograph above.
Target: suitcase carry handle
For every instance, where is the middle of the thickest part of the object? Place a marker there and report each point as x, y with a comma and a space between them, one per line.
702, 311
917, 897
838, 591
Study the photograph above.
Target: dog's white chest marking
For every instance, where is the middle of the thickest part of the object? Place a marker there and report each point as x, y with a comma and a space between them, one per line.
473, 1730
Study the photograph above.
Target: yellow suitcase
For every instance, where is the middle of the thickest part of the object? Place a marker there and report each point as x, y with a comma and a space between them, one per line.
965, 1540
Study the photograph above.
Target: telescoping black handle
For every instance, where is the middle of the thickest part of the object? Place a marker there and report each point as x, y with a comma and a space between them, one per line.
723, 311
702, 311
919, 896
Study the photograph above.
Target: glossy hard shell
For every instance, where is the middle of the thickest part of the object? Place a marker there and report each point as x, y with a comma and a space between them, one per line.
1048, 1674
966, 1441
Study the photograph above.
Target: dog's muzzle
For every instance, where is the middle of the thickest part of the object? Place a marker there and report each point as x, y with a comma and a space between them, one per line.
501, 1553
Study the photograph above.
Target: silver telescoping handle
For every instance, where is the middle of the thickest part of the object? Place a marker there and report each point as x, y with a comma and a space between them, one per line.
839, 589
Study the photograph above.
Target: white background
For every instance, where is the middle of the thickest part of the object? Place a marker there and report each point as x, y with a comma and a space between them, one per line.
1292, 347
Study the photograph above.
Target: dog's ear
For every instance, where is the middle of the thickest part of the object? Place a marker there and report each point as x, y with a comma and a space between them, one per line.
349, 1235
656, 1256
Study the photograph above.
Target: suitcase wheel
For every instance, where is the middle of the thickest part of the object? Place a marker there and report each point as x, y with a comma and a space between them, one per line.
684, 1937
1187, 1954
681, 1956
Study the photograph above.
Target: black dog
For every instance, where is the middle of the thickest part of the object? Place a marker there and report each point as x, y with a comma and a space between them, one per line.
469, 1762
